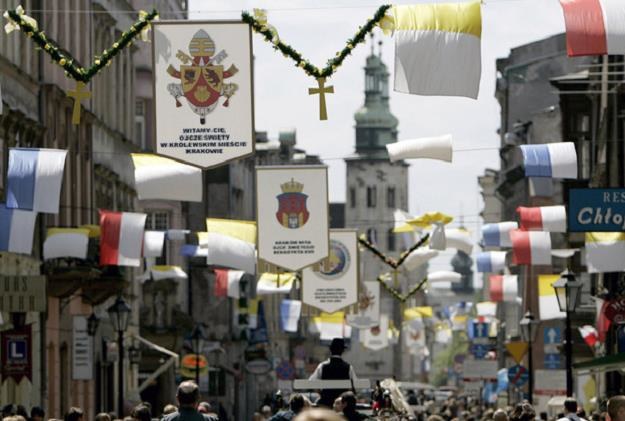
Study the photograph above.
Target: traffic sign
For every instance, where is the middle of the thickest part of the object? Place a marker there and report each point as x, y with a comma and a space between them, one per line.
518, 375
517, 350
553, 361
480, 350
553, 335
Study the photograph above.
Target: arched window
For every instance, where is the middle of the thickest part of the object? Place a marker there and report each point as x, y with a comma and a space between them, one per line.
372, 235
390, 240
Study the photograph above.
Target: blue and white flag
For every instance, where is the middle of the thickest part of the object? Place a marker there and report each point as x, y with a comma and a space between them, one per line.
192, 250
498, 235
491, 261
554, 160
290, 311
17, 228
34, 178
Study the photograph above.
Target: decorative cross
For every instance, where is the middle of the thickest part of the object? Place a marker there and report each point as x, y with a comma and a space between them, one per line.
322, 91
79, 95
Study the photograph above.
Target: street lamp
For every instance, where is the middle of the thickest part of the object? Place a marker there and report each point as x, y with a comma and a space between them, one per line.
529, 329
198, 338
119, 313
568, 290
92, 324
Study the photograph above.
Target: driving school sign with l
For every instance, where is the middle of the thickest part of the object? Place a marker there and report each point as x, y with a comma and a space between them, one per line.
596, 210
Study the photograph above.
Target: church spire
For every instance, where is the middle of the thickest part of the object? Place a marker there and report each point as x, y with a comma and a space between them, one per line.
376, 126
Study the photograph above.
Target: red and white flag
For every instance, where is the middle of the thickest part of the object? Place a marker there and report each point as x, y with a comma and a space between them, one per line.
531, 247
503, 288
594, 27
121, 238
590, 335
544, 218
227, 283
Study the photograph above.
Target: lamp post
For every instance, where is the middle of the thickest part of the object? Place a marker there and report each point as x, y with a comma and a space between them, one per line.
198, 338
529, 329
93, 322
567, 292
119, 313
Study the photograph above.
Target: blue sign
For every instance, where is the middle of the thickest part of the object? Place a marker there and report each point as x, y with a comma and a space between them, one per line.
518, 375
553, 361
596, 210
480, 350
17, 350
480, 330
552, 335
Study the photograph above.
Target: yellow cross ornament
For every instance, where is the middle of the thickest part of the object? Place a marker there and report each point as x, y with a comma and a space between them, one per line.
79, 94
322, 90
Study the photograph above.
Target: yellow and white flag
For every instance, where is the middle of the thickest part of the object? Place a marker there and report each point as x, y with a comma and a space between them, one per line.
605, 251
160, 272
66, 242
239, 229
330, 326
437, 49
274, 283
157, 177
547, 301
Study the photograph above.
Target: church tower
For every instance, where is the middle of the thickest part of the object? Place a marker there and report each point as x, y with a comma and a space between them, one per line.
375, 188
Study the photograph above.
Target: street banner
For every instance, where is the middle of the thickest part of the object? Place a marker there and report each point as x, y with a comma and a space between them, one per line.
203, 95
17, 360
368, 314
82, 350
333, 285
292, 209
376, 337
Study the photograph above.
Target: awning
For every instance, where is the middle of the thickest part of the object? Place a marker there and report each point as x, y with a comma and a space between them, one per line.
600, 365
173, 359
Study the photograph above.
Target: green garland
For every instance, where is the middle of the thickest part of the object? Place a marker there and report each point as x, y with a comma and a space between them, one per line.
397, 294
332, 64
64, 59
395, 264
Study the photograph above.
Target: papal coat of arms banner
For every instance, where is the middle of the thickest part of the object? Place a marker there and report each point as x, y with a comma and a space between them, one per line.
368, 314
203, 91
333, 284
292, 209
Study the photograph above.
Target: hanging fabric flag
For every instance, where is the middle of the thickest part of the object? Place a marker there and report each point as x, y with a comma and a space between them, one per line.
449, 36
418, 258
153, 243
554, 160
594, 27
157, 177
290, 311
491, 261
444, 276
544, 218
177, 234
330, 326
121, 238
427, 147
228, 283
459, 322
401, 222
414, 313
590, 335
438, 240
439, 220
376, 337
498, 235
605, 251
192, 250
160, 272
34, 178
486, 309
531, 247
242, 230
414, 337
503, 288
443, 334
17, 228
229, 252
259, 334
274, 283
601, 319
460, 239
547, 300
66, 242
368, 314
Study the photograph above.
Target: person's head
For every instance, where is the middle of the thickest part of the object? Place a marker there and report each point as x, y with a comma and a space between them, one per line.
318, 414
74, 414
188, 394
37, 413
8, 410
616, 408
500, 415
21, 411
257, 416
169, 409
297, 403
204, 408
349, 401
337, 346
266, 411
570, 405
103, 416
141, 413
338, 406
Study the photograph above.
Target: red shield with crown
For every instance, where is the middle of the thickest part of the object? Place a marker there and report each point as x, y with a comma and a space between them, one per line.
292, 212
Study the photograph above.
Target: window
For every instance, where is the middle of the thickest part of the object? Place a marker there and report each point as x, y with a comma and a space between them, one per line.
371, 196
140, 135
352, 197
157, 221
390, 239
372, 236
390, 197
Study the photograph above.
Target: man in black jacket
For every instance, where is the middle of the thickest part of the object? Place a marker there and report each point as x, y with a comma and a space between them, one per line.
334, 368
188, 396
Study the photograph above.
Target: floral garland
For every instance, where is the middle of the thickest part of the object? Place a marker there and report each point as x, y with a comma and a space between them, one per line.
19, 20
395, 264
397, 294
